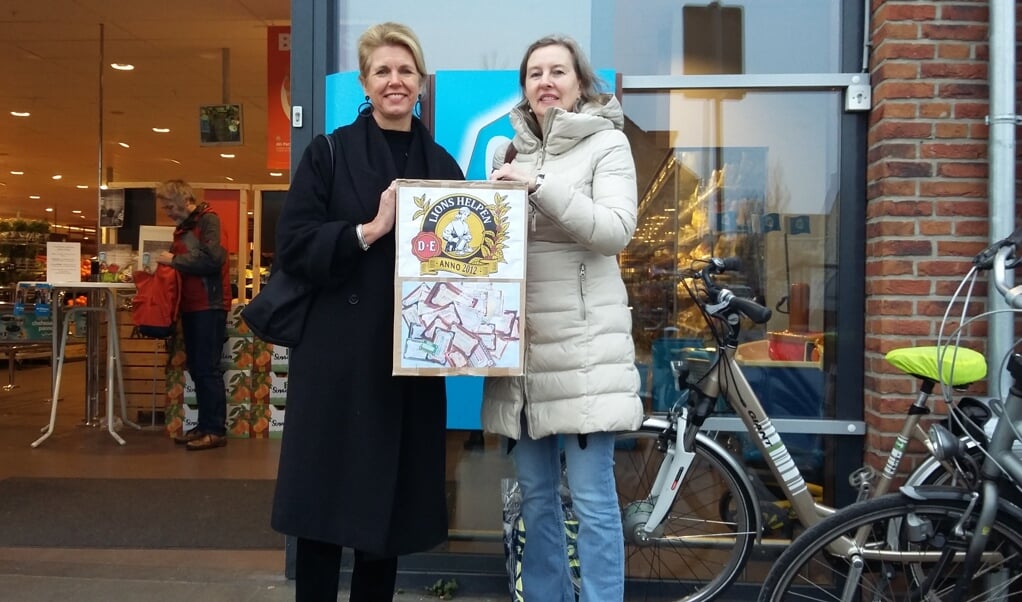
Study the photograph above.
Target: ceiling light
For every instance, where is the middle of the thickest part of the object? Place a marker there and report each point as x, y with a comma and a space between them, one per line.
124, 144
82, 186
276, 174
175, 161
76, 211
102, 186
161, 130
20, 113
57, 177
251, 212
49, 210
227, 155
33, 196
229, 178
122, 66
15, 172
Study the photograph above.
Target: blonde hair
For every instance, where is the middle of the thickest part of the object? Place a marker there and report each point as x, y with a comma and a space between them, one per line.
388, 34
177, 192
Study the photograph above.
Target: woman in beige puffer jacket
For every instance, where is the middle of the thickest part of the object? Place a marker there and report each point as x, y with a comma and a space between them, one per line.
580, 375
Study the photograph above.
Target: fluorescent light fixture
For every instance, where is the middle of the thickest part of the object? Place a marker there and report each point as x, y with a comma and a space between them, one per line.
229, 178
123, 66
34, 197
162, 130
82, 186
49, 210
227, 155
15, 172
20, 113
124, 144
76, 211
276, 174
57, 177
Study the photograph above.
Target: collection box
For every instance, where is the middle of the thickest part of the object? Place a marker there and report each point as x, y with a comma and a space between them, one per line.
460, 278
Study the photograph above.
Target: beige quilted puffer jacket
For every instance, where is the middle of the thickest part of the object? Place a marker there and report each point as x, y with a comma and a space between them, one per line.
580, 374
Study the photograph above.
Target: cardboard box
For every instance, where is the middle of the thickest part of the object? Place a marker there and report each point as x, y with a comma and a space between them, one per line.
276, 421
259, 420
236, 353
280, 356
238, 421
237, 327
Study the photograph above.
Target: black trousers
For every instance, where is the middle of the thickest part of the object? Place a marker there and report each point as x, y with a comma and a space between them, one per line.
318, 568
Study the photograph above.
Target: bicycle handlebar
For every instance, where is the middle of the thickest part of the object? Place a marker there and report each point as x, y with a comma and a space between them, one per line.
1012, 296
754, 311
724, 297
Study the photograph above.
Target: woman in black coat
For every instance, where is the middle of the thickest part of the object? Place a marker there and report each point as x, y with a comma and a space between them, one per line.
362, 461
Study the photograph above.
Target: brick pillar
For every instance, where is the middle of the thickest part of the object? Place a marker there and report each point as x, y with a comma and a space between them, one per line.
926, 188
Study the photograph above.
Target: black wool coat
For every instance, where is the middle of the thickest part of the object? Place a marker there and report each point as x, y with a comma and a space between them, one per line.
362, 461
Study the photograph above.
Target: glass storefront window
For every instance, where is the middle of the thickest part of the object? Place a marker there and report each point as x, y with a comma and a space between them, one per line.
751, 174
701, 38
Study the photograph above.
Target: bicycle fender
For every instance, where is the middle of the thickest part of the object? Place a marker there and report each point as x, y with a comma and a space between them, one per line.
934, 493
743, 477
930, 465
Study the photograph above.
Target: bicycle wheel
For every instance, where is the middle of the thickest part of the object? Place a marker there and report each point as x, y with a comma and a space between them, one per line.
898, 527
700, 547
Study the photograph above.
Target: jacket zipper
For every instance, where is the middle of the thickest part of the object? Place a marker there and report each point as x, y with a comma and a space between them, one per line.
582, 287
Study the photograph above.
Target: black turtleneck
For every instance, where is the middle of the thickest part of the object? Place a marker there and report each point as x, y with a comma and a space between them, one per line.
399, 143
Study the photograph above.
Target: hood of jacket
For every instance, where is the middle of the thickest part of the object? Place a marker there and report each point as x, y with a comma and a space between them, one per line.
563, 129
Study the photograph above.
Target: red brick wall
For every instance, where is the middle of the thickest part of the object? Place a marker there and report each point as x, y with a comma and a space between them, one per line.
926, 189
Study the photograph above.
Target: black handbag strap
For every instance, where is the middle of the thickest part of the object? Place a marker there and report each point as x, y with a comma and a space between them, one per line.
510, 153
333, 166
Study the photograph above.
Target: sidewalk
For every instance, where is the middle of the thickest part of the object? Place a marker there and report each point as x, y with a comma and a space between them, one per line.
80, 575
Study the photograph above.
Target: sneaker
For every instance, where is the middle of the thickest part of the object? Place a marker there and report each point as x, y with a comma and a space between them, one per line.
188, 436
206, 441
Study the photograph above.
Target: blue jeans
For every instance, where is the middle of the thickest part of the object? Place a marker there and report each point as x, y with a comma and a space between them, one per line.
594, 498
205, 332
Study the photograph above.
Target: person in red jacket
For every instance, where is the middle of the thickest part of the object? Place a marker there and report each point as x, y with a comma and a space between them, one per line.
198, 253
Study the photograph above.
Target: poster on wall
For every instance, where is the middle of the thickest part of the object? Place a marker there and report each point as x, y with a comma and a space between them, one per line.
111, 208
278, 97
460, 278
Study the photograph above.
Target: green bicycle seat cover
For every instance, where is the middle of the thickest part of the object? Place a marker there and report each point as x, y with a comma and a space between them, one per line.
961, 365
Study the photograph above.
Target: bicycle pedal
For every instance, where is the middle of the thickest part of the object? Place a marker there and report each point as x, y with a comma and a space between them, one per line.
775, 518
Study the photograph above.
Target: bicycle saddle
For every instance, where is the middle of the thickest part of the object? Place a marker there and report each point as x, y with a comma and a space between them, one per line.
961, 365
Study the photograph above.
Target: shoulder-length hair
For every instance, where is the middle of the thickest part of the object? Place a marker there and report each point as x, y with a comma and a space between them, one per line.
590, 84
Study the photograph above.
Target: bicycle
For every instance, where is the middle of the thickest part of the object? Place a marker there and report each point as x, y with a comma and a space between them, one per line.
926, 543
693, 545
